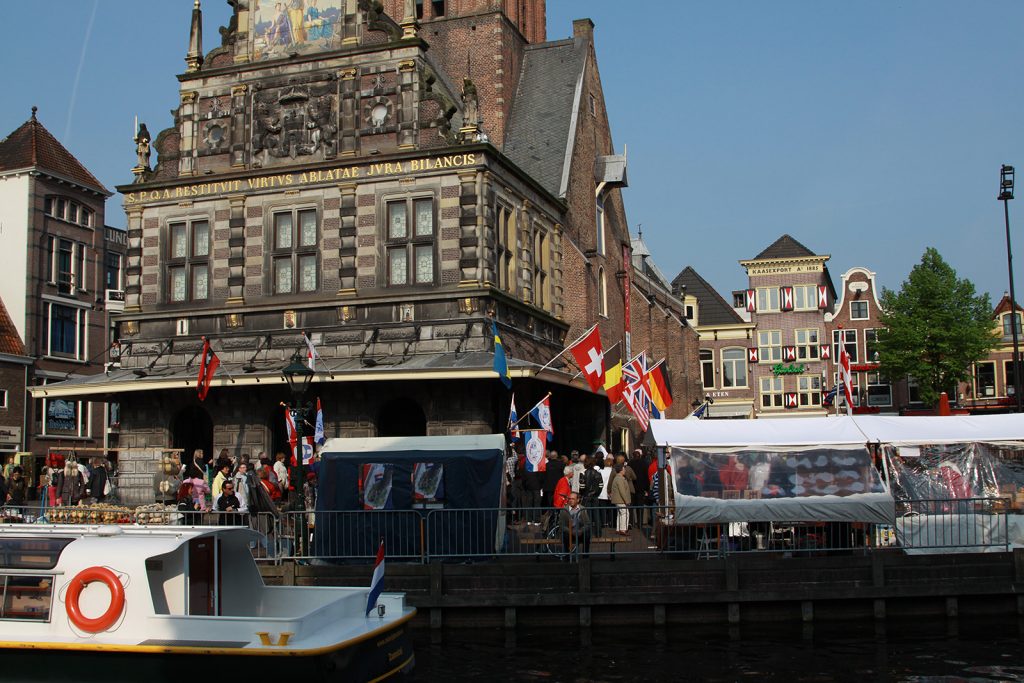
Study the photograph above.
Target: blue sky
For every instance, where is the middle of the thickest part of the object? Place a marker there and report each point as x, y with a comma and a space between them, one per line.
867, 130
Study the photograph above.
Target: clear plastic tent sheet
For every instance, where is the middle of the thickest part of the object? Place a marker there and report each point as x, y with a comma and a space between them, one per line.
814, 483
957, 471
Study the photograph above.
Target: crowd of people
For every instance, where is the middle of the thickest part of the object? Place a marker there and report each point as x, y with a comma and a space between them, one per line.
238, 487
77, 482
583, 493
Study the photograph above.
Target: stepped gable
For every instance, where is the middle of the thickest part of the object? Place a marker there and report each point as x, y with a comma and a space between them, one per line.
10, 340
32, 146
542, 126
714, 310
784, 247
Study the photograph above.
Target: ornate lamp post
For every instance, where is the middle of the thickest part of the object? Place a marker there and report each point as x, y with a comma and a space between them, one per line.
298, 376
1005, 195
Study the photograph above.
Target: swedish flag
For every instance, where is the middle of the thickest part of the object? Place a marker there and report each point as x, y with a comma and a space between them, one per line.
500, 363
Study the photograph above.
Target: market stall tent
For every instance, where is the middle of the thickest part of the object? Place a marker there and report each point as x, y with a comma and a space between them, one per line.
384, 487
808, 470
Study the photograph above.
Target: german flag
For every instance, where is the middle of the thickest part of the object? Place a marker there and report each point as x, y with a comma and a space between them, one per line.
657, 379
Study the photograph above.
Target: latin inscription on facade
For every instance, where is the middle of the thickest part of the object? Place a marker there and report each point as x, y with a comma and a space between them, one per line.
279, 180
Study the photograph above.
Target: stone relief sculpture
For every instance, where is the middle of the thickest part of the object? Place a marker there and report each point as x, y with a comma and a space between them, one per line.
293, 122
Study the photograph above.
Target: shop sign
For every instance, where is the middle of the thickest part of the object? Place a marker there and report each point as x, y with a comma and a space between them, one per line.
61, 417
10, 434
791, 369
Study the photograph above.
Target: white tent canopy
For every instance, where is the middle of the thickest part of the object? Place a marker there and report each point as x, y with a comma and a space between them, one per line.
822, 431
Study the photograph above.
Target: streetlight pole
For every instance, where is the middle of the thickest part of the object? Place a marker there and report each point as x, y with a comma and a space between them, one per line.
1005, 195
298, 376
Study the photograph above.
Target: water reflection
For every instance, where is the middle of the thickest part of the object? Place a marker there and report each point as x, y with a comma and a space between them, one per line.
911, 651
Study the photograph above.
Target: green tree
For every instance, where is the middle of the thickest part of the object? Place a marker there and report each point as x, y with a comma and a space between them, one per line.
936, 327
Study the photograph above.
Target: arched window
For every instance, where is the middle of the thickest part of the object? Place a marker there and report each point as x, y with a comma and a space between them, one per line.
602, 293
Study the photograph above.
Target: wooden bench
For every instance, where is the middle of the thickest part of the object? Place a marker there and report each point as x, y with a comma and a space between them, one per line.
612, 541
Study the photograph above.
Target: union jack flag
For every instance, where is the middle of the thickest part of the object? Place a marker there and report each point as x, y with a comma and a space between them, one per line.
637, 395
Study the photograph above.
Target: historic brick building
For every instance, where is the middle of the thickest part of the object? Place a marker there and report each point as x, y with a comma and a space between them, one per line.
60, 281
788, 293
326, 173
660, 325
725, 338
15, 366
854, 324
991, 388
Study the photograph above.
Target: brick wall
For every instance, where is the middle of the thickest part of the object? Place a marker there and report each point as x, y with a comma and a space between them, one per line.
12, 378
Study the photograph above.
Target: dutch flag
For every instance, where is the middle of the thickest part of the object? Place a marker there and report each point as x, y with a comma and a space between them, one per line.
377, 582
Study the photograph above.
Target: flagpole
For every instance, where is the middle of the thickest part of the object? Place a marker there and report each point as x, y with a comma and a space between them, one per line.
527, 414
562, 352
226, 371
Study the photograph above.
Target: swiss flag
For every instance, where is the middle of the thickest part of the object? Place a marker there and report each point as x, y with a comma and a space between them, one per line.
590, 357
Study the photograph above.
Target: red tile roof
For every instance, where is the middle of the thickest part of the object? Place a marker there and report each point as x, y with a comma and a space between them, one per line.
31, 145
10, 340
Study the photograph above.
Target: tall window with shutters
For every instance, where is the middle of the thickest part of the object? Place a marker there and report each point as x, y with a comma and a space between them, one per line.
188, 260
409, 242
295, 235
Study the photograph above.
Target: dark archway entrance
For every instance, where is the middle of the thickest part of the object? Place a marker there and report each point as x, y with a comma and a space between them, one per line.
401, 417
192, 428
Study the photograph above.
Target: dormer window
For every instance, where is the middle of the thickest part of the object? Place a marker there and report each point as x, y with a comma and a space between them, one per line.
1008, 326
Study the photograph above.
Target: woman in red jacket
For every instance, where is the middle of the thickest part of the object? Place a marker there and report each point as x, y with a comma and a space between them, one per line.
563, 489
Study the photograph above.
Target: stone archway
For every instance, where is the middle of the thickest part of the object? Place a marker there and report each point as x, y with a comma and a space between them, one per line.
401, 417
192, 428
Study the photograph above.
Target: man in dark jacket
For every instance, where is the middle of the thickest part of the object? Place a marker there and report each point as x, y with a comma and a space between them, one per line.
552, 475
98, 480
531, 496
228, 505
592, 484
574, 521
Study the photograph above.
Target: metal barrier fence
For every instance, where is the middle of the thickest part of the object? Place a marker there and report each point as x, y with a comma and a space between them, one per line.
967, 525
961, 525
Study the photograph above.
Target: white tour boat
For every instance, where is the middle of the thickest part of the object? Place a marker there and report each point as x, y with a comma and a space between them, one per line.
168, 603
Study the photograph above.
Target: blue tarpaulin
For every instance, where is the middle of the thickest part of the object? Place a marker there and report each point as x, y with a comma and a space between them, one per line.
471, 469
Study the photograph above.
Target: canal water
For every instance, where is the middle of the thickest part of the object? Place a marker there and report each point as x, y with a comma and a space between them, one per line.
914, 651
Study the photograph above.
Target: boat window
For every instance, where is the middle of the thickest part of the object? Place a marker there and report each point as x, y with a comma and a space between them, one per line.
31, 553
26, 597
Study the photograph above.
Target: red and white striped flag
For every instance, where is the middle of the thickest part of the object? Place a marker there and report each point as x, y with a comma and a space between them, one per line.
844, 379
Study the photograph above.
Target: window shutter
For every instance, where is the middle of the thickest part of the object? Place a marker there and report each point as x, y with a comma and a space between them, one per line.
791, 400
786, 298
752, 355
826, 351
789, 353
822, 296
751, 300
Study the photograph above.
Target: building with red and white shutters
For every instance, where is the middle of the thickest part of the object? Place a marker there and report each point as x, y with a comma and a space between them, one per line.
789, 291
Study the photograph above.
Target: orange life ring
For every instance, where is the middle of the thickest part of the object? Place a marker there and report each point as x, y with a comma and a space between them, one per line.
83, 579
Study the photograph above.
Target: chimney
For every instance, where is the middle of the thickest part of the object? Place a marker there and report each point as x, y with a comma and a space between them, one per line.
583, 28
